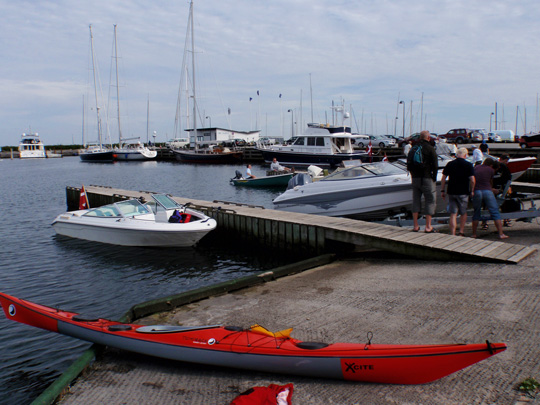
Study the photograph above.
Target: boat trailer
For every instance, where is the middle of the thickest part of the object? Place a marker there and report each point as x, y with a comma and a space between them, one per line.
527, 212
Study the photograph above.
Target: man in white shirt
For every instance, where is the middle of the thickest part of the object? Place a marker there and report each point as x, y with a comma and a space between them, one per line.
477, 156
407, 148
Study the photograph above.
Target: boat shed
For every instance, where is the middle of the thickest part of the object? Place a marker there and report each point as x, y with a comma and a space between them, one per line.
212, 135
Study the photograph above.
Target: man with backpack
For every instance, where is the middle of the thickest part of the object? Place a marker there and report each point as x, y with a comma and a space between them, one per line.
423, 166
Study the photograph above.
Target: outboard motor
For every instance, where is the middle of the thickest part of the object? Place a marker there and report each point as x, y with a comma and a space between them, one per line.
238, 175
299, 180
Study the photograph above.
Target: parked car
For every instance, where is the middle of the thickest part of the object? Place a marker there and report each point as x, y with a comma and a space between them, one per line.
267, 141
529, 140
479, 135
382, 142
360, 140
505, 135
234, 143
494, 137
177, 143
415, 138
459, 135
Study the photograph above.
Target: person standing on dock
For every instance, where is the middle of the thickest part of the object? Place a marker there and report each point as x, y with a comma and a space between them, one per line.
407, 148
461, 181
483, 195
423, 166
477, 155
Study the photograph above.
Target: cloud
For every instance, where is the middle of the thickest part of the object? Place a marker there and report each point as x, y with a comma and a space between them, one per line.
462, 55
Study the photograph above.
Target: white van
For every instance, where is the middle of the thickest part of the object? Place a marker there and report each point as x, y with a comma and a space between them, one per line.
505, 134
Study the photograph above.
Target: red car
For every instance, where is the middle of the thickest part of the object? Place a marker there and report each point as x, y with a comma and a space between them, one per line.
528, 141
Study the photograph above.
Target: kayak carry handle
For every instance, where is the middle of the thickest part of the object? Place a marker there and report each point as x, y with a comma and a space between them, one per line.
369, 336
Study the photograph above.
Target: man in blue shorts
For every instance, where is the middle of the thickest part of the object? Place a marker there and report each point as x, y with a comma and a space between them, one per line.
461, 181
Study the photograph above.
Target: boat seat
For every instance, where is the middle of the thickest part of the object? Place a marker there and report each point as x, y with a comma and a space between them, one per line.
311, 345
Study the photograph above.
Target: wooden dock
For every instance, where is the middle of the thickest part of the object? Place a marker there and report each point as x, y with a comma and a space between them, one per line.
312, 233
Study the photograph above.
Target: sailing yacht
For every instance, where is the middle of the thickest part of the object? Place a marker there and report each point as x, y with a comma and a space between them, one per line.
198, 155
97, 152
128, 151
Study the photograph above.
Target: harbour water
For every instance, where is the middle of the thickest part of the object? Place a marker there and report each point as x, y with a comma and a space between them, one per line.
93, 278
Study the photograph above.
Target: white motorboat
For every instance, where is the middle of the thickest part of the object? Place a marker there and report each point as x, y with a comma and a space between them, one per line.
31, 147
322, 145
160, 223
369, 191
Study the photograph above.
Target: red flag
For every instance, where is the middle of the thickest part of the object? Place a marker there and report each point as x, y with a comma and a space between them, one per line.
83, 200
385, 158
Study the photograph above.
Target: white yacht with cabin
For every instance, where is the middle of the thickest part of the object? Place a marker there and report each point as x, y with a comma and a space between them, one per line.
321, 145
31, 146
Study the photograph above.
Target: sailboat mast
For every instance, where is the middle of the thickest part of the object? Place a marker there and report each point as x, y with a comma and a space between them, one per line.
83, 140
95, 84
193, 74
117, 89
311, 96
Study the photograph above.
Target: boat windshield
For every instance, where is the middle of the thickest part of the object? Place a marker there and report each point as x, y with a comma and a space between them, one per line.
165, 201
127, 208
366, 170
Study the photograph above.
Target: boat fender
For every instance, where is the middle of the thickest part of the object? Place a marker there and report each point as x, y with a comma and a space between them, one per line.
311, 345
119, 328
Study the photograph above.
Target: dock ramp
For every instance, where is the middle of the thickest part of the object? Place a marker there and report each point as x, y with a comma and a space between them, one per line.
310, 233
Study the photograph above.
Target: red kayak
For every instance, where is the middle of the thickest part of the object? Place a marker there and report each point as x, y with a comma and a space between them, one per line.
256, 348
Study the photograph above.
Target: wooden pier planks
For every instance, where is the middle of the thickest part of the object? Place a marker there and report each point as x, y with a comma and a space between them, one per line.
308, 233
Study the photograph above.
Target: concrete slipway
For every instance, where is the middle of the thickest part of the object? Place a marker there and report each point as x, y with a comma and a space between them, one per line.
401, 300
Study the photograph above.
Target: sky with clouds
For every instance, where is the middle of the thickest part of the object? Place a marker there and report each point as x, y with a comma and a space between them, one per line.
459, 56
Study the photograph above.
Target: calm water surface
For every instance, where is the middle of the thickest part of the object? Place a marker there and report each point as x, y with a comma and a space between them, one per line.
94, 278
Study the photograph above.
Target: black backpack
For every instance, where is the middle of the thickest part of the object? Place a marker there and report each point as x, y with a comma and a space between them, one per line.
416, 158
